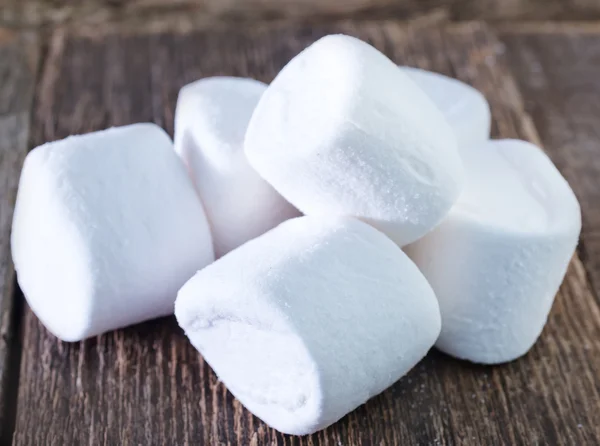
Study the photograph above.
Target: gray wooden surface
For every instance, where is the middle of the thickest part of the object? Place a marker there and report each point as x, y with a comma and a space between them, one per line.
19, 56
27, 13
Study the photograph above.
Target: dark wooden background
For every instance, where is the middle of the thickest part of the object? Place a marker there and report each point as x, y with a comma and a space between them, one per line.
209, 12
146, 385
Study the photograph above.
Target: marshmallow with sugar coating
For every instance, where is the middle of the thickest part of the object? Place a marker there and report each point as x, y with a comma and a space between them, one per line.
464, 107
210, 123
341, 131
497, 260
310, 320
107, 227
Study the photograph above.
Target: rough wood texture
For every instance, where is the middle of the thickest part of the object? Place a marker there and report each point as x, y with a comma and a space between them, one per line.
558, 68
147, 385
179, 23
18, 60
207, 12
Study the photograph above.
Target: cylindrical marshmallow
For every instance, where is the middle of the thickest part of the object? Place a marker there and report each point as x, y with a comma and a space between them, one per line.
341, 131
210, 123
107, 227
497, 260
464, 107
310, 320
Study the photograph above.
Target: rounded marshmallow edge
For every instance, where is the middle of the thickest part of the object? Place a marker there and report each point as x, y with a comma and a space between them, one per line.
93, 230
211, 118
219, 108
518, 176
308, 321
465, 108
341, 131
37, 275
496, 276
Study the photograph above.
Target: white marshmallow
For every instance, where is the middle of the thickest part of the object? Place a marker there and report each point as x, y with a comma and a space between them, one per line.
310, 320
210, 123
107, 227
342, 131
464, 107
497, 260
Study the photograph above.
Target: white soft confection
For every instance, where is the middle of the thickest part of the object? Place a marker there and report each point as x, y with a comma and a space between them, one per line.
107, 228
341, 131
310, 320
465, 108
210, 123
498, 259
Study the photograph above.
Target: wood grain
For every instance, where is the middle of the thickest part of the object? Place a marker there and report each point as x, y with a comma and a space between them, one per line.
147, 385
558, 68
21, 13
18, 60
185, 23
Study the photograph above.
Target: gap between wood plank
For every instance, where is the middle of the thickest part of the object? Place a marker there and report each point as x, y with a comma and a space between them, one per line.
20, 13
19, 54
548, 27
11, 378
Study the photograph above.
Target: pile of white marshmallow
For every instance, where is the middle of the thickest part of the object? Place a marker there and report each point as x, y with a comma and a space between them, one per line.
305, 318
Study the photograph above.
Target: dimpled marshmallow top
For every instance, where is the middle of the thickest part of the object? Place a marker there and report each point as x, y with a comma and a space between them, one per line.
341, 131
310, 320
465, 108
210, 123
107, 228
497, 260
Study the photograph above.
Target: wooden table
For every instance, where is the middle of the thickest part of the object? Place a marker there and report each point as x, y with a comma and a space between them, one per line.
146, 385
27, 13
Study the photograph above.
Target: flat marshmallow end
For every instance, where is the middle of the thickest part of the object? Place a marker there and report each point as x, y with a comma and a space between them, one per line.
97, 242
266, 372
513, 185
497, 260
58, 290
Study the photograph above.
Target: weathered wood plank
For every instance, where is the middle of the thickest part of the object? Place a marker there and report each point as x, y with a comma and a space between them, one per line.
18, 61
208, 12
558, 70
147, 385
